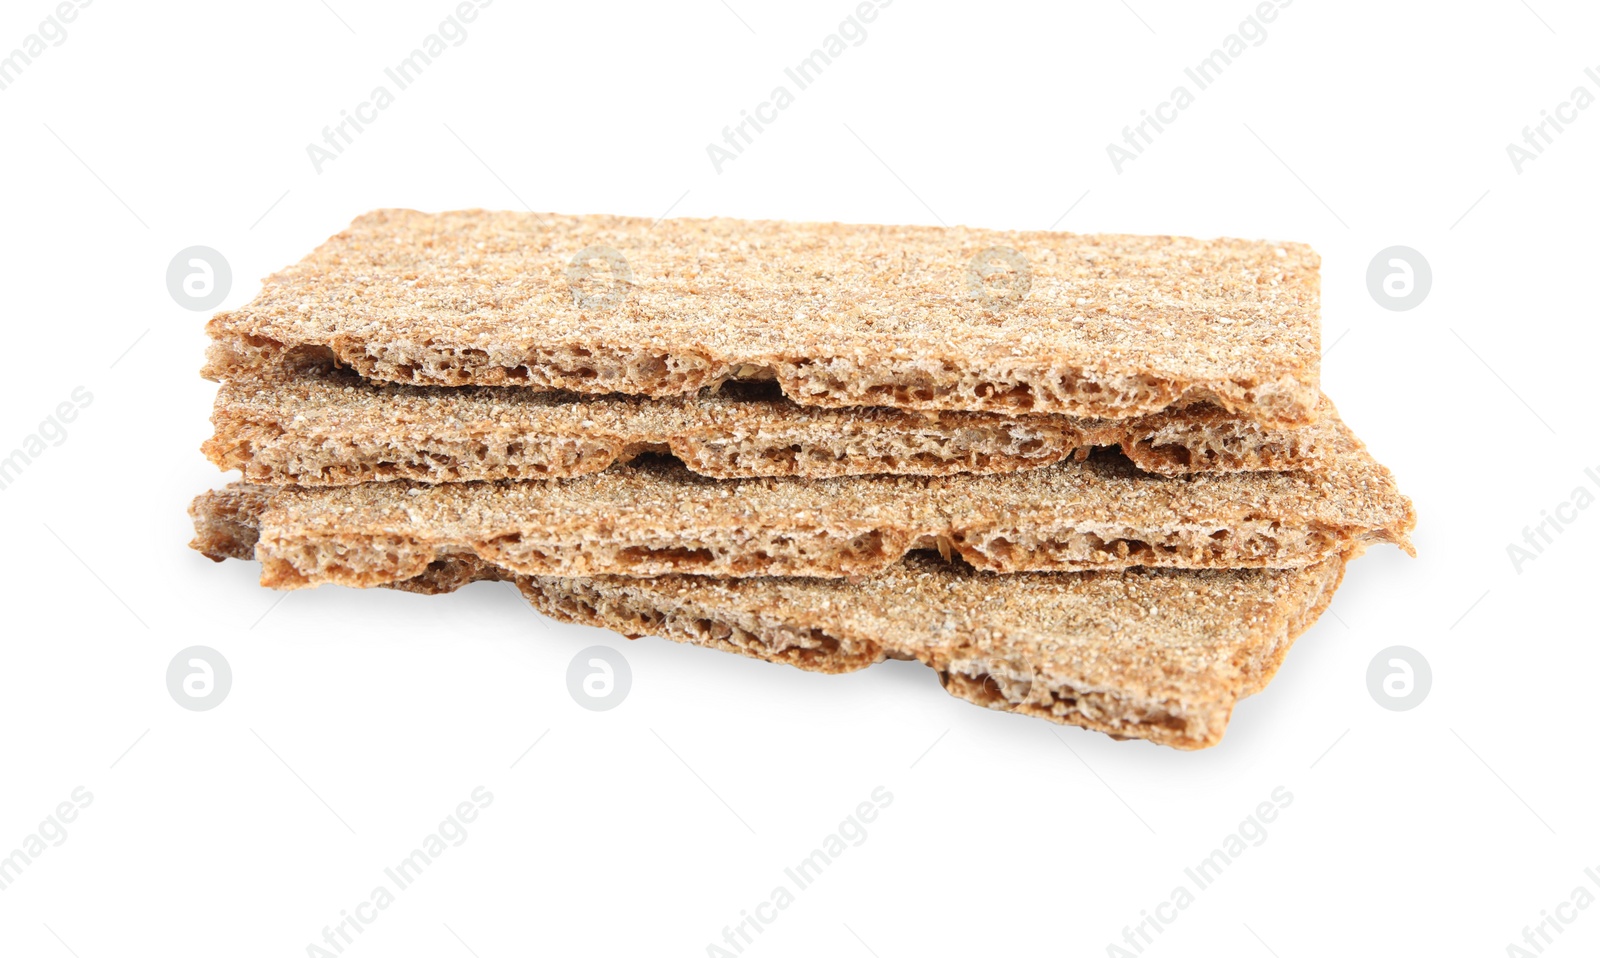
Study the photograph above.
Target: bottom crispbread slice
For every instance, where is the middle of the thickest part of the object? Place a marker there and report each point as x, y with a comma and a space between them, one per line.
1154, 654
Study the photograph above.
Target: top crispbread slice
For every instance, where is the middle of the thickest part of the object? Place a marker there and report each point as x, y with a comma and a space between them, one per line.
840, 315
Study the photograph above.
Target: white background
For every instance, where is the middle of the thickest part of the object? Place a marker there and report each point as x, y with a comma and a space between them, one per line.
358, 720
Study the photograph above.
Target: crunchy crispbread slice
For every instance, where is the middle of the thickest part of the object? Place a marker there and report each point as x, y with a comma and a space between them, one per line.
656, 518
323, 426
1156, 654
1161, 655
914, 317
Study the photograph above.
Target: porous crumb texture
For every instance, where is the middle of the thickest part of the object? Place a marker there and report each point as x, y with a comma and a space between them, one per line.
839, 315
324, 426
656, 518
227, 522
1161, 655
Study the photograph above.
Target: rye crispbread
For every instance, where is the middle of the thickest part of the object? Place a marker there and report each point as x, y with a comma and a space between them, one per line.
840, 315
654, 517
1155, 654
325, 426
1161, 655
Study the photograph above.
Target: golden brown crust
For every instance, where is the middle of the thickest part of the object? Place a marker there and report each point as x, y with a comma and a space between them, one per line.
322, 426
840, 315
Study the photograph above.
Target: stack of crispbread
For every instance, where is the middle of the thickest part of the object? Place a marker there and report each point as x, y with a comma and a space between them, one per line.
1089, 478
